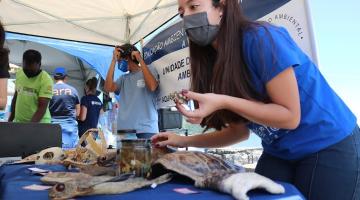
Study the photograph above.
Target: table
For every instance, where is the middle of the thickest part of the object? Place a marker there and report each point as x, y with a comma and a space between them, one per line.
14, 177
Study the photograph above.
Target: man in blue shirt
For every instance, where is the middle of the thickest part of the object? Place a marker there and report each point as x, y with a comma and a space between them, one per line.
137, 90
65, 108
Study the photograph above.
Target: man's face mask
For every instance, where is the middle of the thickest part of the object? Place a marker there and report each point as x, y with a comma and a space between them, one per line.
123, 65
199, 30
31, 73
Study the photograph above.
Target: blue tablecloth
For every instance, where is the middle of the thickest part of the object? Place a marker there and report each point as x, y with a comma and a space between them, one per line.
14, 177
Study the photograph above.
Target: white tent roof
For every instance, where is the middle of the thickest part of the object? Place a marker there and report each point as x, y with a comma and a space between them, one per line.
97, 21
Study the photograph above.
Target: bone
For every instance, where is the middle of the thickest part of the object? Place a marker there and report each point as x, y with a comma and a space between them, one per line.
240, 183
53, 155
86, 187
129, 185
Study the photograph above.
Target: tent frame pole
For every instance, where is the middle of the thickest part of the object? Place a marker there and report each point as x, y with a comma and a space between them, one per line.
82, 68
145, 18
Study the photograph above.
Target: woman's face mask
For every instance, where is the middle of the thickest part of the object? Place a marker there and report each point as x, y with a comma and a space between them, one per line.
123, 65
199, 30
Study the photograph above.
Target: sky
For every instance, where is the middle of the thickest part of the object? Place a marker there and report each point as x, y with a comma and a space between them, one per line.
337, 35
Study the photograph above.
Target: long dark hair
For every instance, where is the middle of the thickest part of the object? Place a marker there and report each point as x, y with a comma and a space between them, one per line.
224, 71
4, 52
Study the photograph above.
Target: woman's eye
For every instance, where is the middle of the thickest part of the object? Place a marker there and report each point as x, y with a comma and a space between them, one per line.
192, 7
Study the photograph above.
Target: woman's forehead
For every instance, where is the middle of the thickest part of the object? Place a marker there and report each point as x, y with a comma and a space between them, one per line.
186, 2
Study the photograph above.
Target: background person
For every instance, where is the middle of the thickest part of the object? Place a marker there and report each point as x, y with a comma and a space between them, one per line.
33, 91
137, 90
91, 106
65, 108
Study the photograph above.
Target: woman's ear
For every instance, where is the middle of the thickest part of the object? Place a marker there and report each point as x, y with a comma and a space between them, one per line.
221, 7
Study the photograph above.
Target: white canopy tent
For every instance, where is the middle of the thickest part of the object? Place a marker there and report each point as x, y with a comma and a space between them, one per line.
107, 22
104, 22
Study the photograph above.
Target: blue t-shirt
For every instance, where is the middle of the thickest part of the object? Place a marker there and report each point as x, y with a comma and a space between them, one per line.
93, 106
137, 103
64, 99
325, 119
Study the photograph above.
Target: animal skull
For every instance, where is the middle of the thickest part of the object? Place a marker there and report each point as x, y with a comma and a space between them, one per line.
53, 155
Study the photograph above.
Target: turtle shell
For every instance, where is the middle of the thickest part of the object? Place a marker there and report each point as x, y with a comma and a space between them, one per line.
192, 164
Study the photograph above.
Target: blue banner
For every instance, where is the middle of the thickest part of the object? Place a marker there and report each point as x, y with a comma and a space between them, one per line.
256, 9
169, 40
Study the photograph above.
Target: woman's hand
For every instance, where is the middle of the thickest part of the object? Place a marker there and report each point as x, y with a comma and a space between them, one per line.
208, 103
194, 120
167, 138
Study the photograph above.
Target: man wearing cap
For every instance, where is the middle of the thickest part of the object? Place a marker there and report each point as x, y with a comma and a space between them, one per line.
65, 108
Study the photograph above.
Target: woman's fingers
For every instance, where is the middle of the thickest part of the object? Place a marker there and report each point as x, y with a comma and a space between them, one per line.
187, 113
159, 137
194, 120
191, 95
163, 143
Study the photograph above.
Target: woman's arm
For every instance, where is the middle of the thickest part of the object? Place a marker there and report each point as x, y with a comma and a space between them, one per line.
234, 133
283, 111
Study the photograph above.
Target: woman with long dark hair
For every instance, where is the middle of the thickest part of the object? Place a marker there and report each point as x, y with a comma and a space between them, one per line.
251, 76
4, 68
